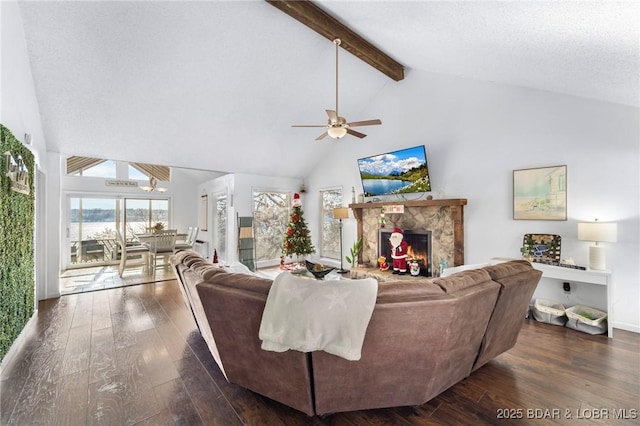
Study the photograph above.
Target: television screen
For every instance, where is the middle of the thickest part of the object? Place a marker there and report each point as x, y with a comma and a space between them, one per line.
396, 172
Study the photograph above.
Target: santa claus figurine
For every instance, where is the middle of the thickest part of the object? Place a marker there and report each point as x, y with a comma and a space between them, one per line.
398, 251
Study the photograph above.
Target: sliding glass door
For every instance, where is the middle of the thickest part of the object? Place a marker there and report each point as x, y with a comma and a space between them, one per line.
142, 214
93, 220
92, 230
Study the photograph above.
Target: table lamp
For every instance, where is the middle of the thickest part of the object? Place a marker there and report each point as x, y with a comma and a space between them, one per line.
341, 213
597, 232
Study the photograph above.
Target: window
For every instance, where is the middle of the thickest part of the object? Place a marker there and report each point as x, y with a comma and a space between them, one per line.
270, 217
92, 228
141, 214
98, 167
135, 174
91, 167
93, 220
220, 228
160, 173
330, 242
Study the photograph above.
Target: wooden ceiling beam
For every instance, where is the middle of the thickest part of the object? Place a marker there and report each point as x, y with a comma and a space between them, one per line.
326, 25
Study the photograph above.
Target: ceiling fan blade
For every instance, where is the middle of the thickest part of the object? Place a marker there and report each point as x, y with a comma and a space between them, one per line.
333, 117
309, 125
356, 134
365, 123
322, 136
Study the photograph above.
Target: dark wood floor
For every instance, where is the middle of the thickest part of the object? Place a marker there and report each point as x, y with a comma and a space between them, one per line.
133, 355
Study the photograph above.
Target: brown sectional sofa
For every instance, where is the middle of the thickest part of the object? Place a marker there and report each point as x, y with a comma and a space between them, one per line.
423, 337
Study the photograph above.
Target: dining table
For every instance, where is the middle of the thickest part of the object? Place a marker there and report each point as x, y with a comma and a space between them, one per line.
147, 238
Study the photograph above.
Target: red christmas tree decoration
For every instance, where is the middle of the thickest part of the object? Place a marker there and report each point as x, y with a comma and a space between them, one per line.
215, 256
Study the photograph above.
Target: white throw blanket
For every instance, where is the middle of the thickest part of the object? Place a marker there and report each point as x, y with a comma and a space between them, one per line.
310, 315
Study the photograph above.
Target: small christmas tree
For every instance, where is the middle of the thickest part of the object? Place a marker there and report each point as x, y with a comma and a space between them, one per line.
296, 239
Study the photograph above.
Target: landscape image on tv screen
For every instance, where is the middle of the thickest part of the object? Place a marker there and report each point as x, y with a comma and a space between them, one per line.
397, 172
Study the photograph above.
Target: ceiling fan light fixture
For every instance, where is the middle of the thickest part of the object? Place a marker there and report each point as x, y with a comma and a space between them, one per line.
338, 126
153, 186
337, 132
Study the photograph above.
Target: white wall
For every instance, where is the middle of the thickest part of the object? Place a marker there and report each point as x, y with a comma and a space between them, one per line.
184, 193
19, 112
476, 134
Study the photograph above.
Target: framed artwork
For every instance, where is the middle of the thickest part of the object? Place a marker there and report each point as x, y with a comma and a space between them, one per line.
544, 248
540, 194
203, 212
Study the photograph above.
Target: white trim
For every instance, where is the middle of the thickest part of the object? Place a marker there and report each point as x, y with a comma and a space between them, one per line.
625, 326
40, 237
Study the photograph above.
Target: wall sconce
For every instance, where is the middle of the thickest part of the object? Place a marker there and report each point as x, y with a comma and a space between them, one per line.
341, 213
597, 232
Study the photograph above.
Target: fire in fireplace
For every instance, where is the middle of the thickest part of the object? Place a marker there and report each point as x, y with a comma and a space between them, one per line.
419, 248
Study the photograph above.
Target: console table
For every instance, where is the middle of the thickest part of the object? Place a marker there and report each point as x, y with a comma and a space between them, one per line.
588, 276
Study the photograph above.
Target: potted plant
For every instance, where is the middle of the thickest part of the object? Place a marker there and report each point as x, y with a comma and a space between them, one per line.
354, 252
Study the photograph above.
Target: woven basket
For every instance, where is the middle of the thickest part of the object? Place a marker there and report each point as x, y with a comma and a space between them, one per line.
586, 314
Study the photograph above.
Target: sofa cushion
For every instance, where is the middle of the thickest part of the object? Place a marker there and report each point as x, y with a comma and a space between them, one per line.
206, 269
238, 268
506, 269
456, 269
518, 281
246, 282
183, 254
462, 280
393, 291
190, 260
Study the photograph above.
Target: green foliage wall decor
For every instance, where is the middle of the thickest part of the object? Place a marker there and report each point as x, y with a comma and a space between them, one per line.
17, 285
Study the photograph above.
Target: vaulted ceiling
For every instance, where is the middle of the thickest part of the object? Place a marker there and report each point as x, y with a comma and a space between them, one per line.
216, 85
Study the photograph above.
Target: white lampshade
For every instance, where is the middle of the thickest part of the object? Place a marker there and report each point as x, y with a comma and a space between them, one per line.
598, 233
341, 213
337, 132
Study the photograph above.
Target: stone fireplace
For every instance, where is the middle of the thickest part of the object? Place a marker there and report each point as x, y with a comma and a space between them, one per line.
444, 219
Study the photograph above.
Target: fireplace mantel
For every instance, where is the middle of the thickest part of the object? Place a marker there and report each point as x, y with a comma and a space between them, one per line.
450, 211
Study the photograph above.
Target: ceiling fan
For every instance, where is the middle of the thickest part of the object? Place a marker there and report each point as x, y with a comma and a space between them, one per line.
337, 126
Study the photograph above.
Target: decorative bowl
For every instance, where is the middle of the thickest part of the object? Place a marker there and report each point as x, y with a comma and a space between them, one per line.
318, 270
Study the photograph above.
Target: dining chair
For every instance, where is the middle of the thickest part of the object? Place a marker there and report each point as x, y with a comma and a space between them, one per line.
127, 251
163, 245
190, 239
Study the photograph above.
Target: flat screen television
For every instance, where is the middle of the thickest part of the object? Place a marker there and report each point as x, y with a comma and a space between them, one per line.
397, 172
